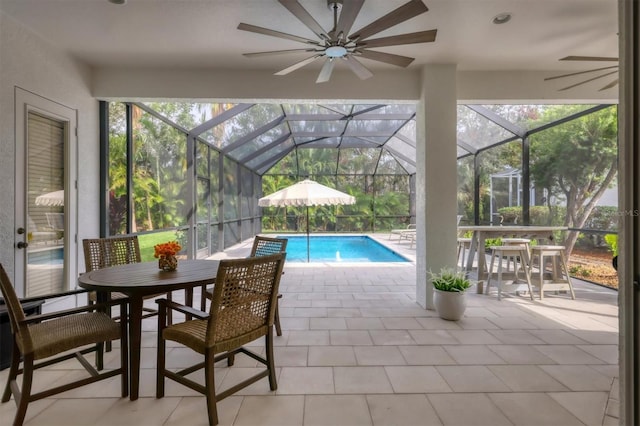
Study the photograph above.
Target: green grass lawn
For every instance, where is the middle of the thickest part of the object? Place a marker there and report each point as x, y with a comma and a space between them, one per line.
147, 242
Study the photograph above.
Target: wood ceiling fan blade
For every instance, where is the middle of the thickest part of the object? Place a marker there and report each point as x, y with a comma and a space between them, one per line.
395, 17
301, 13
410, 38
610, 85
298, 65
358, 69
580, 72
388, 58
276, 52
589, 58
587, 81
274, 33
348, 14
325, 72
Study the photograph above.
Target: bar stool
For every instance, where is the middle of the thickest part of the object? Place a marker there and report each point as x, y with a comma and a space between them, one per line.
518, 253
464, 244
525, 242
559, 278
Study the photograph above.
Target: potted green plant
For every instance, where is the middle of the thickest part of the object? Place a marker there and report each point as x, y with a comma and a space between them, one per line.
449, 298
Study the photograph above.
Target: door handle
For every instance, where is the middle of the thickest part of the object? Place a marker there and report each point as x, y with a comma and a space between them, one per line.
22, 245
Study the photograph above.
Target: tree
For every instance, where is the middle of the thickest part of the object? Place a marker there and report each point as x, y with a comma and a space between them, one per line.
576, 162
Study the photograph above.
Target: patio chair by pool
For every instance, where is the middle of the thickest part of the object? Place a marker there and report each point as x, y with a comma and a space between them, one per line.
50, 337
403, 232
55, 221
242, 310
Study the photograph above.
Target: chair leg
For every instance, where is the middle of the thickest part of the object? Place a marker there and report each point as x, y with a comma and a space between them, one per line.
107, 345
276, 321
566, 272
273, 384
490, 273
124, 350
209, 370
13, 371
500, 278
203, 299
160, 367
25, 392
100, 355
170, 313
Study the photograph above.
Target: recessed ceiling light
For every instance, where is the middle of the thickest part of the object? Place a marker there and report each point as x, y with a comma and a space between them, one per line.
501, 18
117, 1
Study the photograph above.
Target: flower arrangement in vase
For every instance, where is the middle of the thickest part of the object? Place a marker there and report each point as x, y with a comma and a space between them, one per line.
166, 255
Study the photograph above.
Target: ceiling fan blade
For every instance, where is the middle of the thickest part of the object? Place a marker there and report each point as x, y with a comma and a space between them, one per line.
348, 14
274, 33
360, 70
587, 81
388, 58
325, 72
580, 72
401, 14
276, 52
589, 58
410, 38
298, 65
301, 13
610, 85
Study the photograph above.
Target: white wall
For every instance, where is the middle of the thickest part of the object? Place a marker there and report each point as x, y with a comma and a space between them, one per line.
29, 62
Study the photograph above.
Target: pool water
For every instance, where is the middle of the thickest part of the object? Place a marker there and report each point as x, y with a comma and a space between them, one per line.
52, 256
339, 249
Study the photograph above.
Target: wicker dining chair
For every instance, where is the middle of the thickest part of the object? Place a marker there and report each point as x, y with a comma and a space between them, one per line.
262, 246
111, 251
242, 310
50, 337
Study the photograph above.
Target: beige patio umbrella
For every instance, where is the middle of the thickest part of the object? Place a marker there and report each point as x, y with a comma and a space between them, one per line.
306, 193
51, 199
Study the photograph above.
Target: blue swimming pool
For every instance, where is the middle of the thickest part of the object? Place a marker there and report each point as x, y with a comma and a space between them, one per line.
49, 256
339, 248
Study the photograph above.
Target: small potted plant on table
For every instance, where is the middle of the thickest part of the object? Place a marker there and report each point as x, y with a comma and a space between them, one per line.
449, 293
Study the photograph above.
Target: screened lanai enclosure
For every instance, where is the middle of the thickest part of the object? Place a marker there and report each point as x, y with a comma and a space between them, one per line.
194, 171
202, 167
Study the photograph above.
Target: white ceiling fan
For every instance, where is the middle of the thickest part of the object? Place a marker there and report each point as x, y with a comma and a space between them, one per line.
339, 44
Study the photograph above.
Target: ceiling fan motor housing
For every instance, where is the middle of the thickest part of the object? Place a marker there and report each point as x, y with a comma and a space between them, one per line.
334, 4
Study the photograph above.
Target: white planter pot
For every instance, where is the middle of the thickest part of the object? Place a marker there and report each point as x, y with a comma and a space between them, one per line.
450, 305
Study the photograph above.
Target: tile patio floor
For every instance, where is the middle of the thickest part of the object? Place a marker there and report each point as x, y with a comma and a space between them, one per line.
358, 350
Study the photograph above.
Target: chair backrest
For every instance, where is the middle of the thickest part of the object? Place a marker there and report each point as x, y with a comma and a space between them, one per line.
264, 246
16, 313
244, 300
104, 252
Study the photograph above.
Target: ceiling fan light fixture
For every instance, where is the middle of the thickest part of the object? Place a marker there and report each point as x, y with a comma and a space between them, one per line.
501, 18
117, 1
335, 51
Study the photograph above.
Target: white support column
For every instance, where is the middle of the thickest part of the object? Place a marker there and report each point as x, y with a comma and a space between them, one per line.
436, 177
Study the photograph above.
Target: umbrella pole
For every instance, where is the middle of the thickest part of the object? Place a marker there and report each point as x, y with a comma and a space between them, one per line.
307, 234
